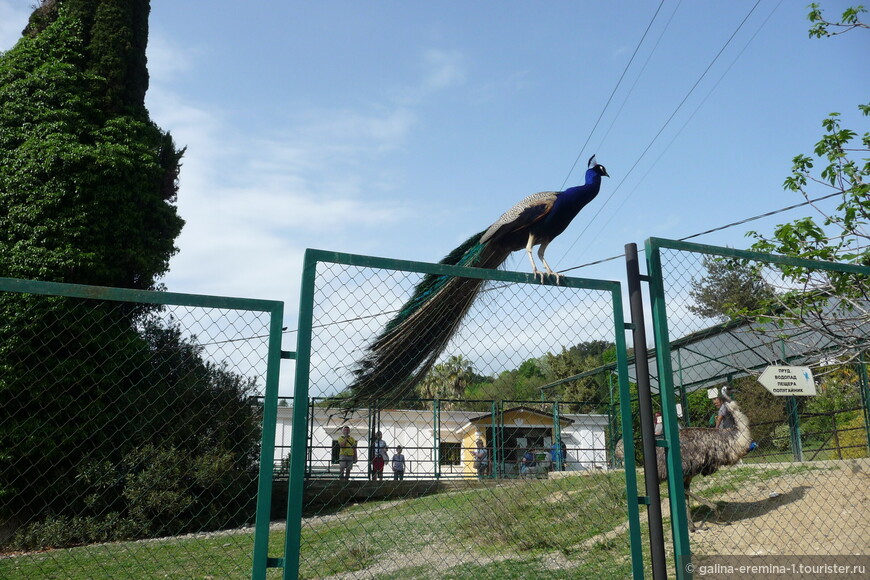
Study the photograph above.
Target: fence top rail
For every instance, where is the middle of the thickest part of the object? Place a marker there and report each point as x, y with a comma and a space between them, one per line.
141, 296
657, 243
463, 271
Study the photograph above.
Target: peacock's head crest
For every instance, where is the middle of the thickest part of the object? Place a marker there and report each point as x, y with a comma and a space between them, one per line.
595, 166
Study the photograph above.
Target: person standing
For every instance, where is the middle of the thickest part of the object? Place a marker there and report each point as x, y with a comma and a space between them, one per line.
724, 418
481, 459
558, 455
379, 456
398, 464
346, 453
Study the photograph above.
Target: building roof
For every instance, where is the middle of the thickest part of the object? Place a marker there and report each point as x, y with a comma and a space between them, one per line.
488, 416
712, 356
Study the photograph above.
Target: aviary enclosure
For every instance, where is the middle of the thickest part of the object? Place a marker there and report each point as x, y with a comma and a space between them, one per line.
187, 488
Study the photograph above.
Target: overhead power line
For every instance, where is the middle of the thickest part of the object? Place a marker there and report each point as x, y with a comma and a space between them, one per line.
720, 228
655, 138
607, 104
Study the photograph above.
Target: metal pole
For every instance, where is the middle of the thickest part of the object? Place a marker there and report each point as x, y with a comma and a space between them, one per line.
611, 421
267, 448
557, 436
794, 419
436, 443
647, 427
298, 441
865, 396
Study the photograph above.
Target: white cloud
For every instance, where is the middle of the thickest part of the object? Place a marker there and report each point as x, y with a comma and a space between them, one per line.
443, 69
253, 201
167, 61
253, 204
330, 134
440, 70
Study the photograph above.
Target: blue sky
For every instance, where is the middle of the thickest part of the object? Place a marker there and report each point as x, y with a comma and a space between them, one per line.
398, 129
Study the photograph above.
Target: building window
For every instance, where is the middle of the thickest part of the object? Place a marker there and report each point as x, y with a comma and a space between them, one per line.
450, 453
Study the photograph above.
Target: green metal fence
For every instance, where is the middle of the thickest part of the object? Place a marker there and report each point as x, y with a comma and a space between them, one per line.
721, 316
130, 431
141, 433
568, 515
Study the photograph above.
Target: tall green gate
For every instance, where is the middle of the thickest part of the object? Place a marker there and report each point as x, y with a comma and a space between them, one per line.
721, 316
561, 518
131, 430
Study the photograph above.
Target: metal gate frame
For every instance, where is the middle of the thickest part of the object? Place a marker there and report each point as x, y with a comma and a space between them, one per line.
274, 308
290, 561
653, 246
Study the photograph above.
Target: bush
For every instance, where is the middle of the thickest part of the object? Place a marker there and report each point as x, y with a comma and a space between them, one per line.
151, 492
781, 438
853, 438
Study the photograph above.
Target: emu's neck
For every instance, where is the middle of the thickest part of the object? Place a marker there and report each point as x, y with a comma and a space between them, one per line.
742, 437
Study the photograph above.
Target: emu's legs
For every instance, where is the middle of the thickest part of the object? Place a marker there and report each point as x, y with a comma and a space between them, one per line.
698, 499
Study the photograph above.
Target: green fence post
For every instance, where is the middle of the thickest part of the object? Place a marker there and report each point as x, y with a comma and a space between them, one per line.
296, 482
679, 518
436, 443
794, 428
632, 498
865, 397
794, 420
267, 448
497, 436
557, 435
611, 422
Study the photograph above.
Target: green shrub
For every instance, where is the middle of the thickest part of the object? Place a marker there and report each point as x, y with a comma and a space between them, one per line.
853, 438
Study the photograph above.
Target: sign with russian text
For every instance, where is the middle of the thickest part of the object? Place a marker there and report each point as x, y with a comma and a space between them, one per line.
784, 381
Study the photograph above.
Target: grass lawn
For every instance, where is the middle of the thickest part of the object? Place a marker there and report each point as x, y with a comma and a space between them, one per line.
571, 527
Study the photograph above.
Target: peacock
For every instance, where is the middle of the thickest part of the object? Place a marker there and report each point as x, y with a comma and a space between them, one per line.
401, 355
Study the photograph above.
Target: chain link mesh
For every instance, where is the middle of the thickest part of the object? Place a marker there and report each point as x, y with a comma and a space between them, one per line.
129, 438
526, 507
802, 489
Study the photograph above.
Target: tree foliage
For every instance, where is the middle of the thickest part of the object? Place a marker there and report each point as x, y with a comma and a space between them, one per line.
577, 360
87, 181
849, 20
74, 423
844, 170
833, 303
447, 380
113, 425
728, 288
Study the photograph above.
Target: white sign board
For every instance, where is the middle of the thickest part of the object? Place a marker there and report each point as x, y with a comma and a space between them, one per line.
784, 381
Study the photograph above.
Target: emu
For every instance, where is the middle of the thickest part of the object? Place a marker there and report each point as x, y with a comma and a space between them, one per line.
704, 451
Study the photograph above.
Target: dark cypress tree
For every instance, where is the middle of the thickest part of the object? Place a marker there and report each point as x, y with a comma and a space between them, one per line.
88, 186
87, 182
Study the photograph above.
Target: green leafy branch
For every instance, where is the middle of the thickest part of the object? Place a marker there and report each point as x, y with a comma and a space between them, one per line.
849, 20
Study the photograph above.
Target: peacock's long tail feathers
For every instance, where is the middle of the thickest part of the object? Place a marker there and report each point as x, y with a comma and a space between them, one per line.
399, 358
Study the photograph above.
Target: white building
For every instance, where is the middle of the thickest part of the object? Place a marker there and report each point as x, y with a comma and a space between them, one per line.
437, 446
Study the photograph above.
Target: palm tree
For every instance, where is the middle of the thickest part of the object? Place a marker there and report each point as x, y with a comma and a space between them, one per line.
447, 380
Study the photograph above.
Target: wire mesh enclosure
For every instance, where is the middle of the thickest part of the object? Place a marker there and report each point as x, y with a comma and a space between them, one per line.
129, 431
442, 485
801, 486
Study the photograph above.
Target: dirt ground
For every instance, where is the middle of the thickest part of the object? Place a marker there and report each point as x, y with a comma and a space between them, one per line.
821, 510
